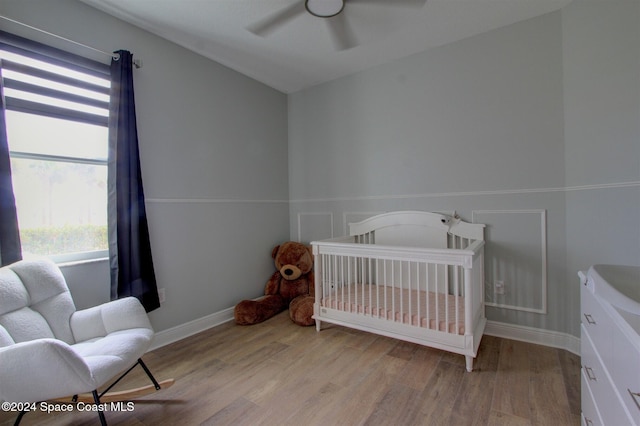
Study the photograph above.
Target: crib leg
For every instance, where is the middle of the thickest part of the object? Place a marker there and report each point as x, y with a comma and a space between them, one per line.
469, 362
318, 325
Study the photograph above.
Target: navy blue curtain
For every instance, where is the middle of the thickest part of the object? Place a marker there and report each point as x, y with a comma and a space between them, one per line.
132, 272
10, 249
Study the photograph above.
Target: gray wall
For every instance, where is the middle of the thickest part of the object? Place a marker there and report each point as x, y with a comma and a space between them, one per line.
601, 44
479, 126
458, 118
214, 161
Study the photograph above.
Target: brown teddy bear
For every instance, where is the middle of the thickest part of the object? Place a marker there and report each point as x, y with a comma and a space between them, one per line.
290, 286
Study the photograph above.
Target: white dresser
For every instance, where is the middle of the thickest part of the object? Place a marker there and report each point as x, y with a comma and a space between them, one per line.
610, 350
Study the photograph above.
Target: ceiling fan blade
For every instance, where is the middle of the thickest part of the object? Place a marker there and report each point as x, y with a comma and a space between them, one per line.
341, 33
271, 23
391, 3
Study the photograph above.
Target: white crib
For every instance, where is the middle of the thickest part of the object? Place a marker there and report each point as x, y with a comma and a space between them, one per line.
415, 276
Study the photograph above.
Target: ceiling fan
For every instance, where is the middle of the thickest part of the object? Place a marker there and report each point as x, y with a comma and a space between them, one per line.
334, 13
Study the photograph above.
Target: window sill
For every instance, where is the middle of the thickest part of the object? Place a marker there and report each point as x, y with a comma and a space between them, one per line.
71, 259
71, 263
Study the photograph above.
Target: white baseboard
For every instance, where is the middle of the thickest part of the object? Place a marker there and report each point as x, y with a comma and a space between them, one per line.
538, 336
554, 339
190, 328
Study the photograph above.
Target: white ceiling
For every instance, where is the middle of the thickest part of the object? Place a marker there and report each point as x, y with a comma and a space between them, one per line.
300, 53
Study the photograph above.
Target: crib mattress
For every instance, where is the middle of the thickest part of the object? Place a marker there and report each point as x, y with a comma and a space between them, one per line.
430, 310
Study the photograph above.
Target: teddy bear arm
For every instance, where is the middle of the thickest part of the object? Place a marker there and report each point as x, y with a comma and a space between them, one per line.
273, 284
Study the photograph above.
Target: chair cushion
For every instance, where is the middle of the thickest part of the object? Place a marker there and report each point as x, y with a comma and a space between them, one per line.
98, 321
35, 302
5, 338
42, 369
18, 320
13, 293
109, 355
26, 324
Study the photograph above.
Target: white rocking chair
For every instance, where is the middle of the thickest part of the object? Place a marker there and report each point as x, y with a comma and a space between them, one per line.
49, 351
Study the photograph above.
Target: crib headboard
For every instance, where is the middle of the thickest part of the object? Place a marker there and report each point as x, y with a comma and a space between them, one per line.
415, 229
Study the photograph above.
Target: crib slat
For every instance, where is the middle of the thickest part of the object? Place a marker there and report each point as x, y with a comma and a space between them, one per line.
427, 295
418, 292
326, 278
338, 280
436, 296
455, 293
329, 281
446, 289
401, 295
361, 281
393, 291
378, 285
385, 293
349, 282
370, 285
410, 291
468, 329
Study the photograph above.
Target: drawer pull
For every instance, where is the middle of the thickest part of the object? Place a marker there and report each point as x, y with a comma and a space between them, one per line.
634, 396
589, 318
590, 374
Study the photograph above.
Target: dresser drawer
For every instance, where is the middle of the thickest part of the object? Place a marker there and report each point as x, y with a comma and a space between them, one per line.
595, 377
626, 373
590, 414
597, 323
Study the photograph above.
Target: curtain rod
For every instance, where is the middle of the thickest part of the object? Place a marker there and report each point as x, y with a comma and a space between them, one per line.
136, 62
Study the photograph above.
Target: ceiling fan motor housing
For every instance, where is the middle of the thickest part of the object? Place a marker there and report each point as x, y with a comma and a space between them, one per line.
324, 8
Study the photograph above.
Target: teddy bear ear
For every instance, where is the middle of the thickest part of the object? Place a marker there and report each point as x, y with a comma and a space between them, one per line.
274, 252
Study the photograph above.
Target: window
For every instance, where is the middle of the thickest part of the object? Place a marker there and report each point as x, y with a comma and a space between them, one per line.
57, 114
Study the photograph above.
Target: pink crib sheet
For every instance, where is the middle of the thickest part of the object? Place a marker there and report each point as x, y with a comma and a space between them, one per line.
401, 305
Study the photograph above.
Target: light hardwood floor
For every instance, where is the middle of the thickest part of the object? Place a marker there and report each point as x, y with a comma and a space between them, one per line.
277, 373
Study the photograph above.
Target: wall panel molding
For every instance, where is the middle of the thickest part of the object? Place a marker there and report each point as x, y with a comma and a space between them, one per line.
514, 264
212, 201
615, 185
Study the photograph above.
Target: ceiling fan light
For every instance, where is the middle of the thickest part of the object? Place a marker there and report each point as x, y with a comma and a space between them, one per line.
324, 8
